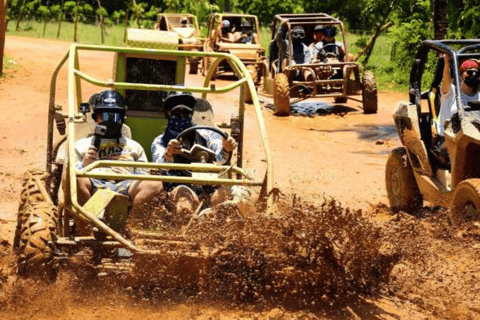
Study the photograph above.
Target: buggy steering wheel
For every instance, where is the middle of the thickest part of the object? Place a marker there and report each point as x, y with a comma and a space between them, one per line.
195, 152
324, 54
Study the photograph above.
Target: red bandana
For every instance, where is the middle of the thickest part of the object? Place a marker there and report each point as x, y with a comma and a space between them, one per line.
468, 64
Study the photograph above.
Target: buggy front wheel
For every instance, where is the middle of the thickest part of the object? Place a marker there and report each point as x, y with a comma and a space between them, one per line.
254, 74
36, 230
369, 93
402, 189
466, 201
281, 95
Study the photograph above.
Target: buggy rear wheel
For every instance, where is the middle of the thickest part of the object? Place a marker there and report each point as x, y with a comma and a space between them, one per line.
35, 231
281, 95
369, 93
402, 189
208, 64
340, 99
194, 62
466, 201
254, 74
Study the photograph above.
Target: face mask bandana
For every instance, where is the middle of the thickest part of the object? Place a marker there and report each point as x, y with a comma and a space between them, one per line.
472, 80
175, 127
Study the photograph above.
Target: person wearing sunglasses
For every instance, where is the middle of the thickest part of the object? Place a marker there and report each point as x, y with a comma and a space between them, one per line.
184, 199
108, 143
301, 52
470, 80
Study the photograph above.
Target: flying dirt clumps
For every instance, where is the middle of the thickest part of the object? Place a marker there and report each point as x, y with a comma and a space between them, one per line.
305, 256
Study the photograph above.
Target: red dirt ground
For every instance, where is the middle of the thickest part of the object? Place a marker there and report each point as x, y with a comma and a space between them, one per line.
341, 155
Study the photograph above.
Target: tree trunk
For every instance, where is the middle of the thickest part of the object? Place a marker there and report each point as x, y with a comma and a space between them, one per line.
367, 51
60, 20
45, 18
3, 30
76, 23
126, 26
19, 18
101, 23
227, 5
440, 18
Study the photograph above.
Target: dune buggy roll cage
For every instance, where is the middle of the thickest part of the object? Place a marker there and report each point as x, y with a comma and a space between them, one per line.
234, 173
444, 46
292, 20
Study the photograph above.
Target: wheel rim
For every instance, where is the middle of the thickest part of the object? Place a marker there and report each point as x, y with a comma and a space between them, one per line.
396, 179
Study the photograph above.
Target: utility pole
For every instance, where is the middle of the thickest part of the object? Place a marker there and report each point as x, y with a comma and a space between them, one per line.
3, 27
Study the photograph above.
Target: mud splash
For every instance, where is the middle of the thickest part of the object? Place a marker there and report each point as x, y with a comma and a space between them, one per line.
310, 262
303, 260
304, 257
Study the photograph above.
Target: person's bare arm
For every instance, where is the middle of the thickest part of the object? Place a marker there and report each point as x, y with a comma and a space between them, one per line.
91, 155
447, 77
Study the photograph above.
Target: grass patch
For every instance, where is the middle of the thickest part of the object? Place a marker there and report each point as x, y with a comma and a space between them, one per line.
86, 33
8, 64
389, 77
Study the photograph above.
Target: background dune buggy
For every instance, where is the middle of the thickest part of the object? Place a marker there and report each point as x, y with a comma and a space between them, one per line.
188, 34
252, 54
417, 171
285, 84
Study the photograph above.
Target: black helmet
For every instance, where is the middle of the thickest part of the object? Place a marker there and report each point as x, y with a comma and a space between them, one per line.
329, 32
108, 100
175, 99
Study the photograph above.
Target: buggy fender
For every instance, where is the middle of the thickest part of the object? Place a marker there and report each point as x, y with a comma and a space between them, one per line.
408, 129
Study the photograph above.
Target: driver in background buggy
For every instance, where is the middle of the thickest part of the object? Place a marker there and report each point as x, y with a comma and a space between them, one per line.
248, 36
470, 81
327, 44
166, 148
301, 52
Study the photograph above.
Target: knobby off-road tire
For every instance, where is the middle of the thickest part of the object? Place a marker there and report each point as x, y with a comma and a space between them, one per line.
466, 201
281, 95
369, 93
340, 99
254, 75
402, 189
194, 66
36, 228
208, 63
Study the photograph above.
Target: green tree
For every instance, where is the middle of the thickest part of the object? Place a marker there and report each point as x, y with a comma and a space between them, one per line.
266, 10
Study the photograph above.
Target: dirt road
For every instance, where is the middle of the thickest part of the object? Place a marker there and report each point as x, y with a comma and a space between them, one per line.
340, 155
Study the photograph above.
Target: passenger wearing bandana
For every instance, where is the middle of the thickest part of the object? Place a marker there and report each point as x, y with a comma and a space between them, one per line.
470, 80
179, 109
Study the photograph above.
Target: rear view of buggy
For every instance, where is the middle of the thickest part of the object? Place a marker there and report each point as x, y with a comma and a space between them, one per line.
48, 234
185, 27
